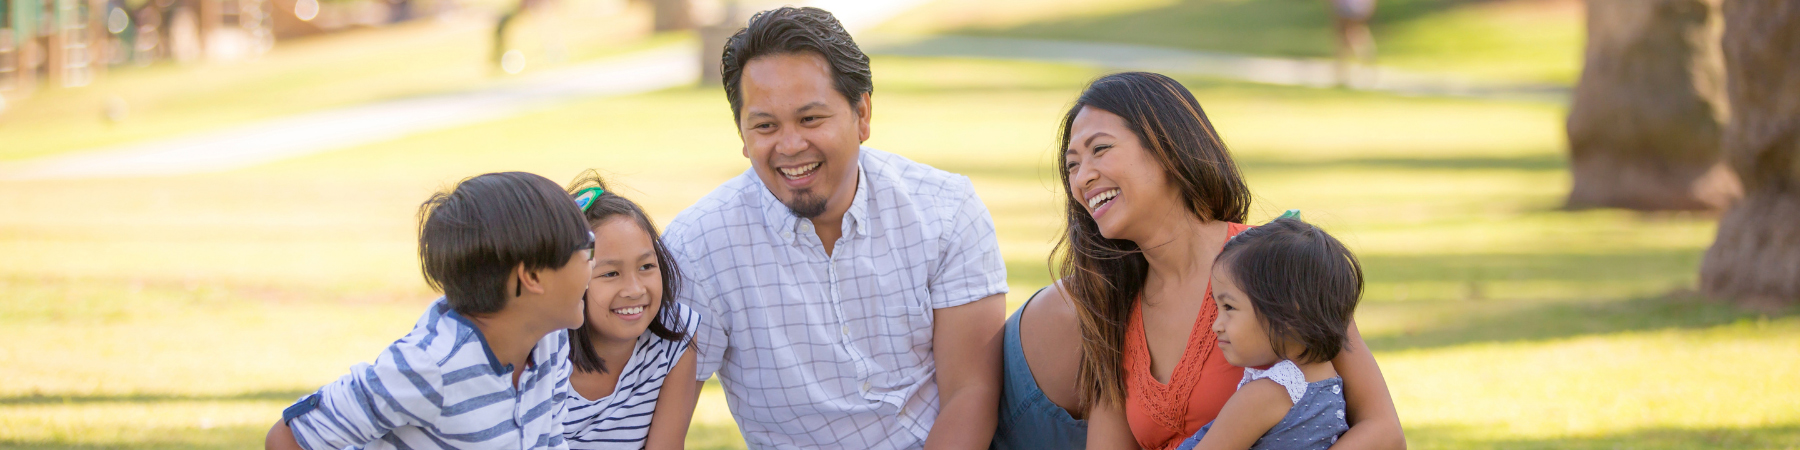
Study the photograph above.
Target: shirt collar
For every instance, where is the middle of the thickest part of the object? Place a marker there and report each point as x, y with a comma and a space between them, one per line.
532, 358
793, 230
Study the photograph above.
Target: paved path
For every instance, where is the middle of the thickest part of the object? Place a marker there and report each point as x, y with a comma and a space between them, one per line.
310, 133
1258, 69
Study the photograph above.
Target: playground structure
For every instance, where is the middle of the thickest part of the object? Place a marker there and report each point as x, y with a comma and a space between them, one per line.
70, 43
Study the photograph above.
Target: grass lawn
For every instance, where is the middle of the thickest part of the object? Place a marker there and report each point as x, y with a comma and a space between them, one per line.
1497, 40
185, 312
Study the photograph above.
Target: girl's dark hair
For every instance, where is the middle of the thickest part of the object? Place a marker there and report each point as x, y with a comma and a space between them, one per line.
794, 30
605, 207
1104, 276
1303, 283
472, 237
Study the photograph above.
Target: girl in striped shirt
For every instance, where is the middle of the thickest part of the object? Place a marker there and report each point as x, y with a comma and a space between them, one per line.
634, 366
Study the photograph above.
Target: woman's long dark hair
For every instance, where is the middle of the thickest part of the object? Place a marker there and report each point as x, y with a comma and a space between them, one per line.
1103, 277
665, 325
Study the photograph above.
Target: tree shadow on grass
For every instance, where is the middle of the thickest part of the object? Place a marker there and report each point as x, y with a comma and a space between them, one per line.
1769, 437
1560, 320
54, 399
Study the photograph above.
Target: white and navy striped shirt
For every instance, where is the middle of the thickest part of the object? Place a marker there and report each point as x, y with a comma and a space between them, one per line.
440, 386
621, 420
834, 351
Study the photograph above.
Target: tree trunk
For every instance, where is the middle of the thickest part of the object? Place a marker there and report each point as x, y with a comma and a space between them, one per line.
1648, 112
672, 14
1756, 257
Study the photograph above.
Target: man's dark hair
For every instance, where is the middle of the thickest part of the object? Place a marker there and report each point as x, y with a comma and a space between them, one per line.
472, 237
1303, 283
794, 30
666, 324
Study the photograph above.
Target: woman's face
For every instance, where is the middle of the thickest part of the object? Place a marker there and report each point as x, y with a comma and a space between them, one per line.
625, 293
1116, 179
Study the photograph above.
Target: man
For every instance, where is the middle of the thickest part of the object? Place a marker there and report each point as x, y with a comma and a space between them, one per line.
853, 298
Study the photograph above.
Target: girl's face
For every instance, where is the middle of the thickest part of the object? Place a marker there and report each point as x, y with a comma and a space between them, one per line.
625, 293
1241, 334
1115, 178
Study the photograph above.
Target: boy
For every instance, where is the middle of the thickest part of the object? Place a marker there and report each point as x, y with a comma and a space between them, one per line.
488, 365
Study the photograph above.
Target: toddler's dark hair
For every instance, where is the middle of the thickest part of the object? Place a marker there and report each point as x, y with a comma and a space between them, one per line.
1303, 283
605, 207
472, 237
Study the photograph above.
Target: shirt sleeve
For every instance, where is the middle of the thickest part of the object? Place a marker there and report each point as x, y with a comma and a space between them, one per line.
362, 406
708, 333
971, 268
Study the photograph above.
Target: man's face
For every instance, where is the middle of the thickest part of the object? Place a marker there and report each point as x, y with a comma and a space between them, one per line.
800, 134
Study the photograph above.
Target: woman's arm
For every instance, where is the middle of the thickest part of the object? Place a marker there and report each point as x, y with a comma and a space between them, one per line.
1107, 429
674, 405
1374, 424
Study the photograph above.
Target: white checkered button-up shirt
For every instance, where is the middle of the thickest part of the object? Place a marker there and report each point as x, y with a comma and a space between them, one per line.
835, 350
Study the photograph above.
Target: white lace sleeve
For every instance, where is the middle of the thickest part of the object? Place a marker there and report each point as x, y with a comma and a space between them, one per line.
1284, 373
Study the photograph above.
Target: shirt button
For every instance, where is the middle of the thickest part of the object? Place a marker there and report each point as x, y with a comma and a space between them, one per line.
865, 387
846, 330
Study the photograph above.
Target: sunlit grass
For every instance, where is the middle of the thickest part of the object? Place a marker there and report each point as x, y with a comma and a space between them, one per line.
185, 312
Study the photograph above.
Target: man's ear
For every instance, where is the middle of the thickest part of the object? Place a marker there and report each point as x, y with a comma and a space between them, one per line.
864, 110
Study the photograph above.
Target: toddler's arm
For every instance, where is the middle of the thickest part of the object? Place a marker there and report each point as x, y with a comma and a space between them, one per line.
1249, 414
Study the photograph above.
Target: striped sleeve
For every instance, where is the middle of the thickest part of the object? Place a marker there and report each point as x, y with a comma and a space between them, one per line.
368, 403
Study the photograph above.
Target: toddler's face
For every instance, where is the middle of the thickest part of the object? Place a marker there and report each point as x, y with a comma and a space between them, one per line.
1241, 335
625, 293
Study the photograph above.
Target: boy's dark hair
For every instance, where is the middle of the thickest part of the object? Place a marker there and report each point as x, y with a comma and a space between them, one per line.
1303, 283
605, 207
794, 30
472, 237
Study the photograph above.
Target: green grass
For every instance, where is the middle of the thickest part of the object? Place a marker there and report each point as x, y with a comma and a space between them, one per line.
185, 312
1499, 40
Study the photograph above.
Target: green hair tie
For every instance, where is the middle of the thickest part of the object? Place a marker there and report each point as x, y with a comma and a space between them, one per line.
585, 198
1290, 214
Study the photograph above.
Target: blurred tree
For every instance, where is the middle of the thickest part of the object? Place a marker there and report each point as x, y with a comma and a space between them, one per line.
1647, 115
672, 14
1756, 257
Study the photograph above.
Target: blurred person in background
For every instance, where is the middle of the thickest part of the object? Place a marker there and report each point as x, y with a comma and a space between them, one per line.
1355, 44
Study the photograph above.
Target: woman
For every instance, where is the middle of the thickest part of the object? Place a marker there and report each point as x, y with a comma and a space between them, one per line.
1153, 196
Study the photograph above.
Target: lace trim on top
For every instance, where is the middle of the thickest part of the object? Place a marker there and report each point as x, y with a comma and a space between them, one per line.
1284, 373
1168, 403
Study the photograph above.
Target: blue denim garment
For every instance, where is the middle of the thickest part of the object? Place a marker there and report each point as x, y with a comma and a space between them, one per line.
1028, 420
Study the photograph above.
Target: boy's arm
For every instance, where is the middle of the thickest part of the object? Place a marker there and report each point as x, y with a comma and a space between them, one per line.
280, 438
1374, 424
674, 406
363, 405
1249, 414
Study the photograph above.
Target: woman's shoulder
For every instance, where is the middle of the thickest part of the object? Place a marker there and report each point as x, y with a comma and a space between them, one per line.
1050, 309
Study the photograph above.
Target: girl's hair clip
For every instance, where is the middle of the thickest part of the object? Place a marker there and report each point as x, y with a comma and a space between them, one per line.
1290, 214
585, 198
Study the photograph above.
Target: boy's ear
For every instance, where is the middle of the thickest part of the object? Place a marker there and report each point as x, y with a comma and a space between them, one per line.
527, 280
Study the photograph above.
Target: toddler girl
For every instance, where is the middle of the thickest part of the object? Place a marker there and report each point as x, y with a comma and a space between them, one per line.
1285, 292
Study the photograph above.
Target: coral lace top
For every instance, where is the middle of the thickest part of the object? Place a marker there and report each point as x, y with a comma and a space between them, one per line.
1162, 415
